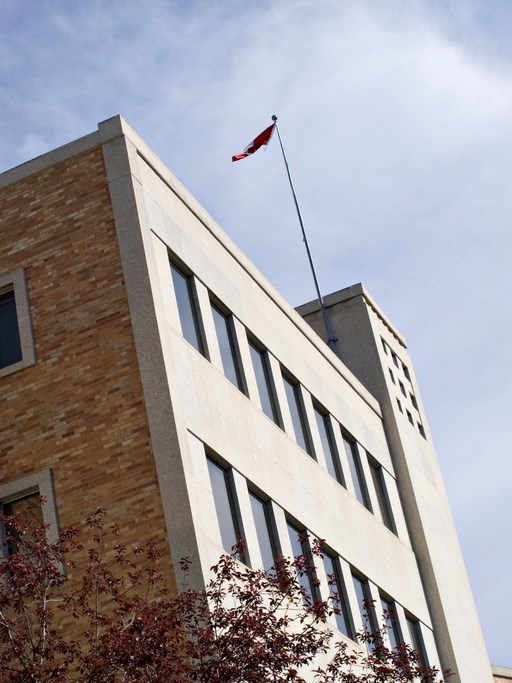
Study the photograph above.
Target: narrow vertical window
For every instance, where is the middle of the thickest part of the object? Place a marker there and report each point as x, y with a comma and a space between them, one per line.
10, 344
227, 346
365, 603
356, 471
392, 625
338, 595
301, 549
264, 382
224, 505
264, 530
328, 445
187, 309
379, 485
416, 639
300, 426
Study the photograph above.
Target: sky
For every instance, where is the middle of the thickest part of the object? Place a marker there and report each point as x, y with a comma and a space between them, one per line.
397, 119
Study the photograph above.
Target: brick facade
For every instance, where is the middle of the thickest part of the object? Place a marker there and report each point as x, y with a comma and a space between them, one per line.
80, 409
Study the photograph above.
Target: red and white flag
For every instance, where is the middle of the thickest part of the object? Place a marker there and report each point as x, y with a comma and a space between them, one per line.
259, 141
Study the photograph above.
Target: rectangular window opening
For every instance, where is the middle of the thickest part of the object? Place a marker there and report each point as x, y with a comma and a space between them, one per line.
338, 595
226, 506
265, 530
365, 603
391, 620
356, 472
298, 415
330, 451
229, 353
299, 540
264, 382
416, 639
10, 343
379, 485
188, 310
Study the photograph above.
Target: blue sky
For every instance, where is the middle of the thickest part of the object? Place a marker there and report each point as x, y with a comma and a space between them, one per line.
397, 119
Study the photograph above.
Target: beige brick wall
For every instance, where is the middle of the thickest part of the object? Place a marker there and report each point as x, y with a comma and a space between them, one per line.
79, 410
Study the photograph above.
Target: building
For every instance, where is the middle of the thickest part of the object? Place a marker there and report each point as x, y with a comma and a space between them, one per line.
502, 674
147, 365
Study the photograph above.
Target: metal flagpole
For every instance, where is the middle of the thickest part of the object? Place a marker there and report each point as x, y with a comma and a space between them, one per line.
330, 337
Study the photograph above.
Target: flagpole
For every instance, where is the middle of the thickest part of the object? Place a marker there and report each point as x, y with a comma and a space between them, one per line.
330, 337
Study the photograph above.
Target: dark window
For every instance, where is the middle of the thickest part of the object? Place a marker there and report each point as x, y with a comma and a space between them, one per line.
264, 382
10, 345
392, 625
265, 530
396, 359
356, 471
406, 372
392, 375
339, 595
409, 417
328, 445
27, 507
421, 430
414, 401
187, 308
301, 549
365, 603
399, 405
402, 388
224, 505
227, 346
384, 346
297, 412
382, 495
416, 639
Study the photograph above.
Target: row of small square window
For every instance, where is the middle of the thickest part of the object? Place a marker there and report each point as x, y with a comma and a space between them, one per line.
420, 427
396, 360
335, 569
192, 330
409, 395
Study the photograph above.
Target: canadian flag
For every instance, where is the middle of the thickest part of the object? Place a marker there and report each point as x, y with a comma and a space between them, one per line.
259, 141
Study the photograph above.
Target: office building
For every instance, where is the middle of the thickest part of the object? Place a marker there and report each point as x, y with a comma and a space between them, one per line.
146, 365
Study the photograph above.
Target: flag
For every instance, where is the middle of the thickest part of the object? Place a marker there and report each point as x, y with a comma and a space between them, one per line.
259, 141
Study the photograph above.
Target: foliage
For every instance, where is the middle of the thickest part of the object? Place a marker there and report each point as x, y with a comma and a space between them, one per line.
110, 619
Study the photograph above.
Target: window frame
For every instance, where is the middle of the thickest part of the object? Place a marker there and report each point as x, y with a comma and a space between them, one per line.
15, 281
233, 504
416, 638
231, 338
305, 442
336, 579
333, 457
270, 526
355, 467
194, 310
390, 614
39, 482
308, 580
381, 493
371, 620
268, 380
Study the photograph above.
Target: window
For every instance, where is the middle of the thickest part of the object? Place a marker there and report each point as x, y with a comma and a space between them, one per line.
416, 639
365, 603
301, 549
385, 346
338, 594
16, 338
392, 625
414, 401
379, 484
409, 417
399, 405
227, 346
328, 445
10, 345
28, 506
396, 359
300, 425
356, 471
406, 372
225, 505
392, 375
421, 430
264, 382
402, 388
265, 530
187, 309
24, 496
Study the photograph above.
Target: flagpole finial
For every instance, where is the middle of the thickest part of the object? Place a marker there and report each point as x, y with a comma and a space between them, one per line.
274, 118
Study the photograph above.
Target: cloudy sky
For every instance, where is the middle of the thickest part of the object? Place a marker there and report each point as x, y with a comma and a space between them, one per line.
397, 119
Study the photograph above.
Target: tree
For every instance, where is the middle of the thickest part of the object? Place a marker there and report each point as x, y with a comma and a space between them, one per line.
106, 616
